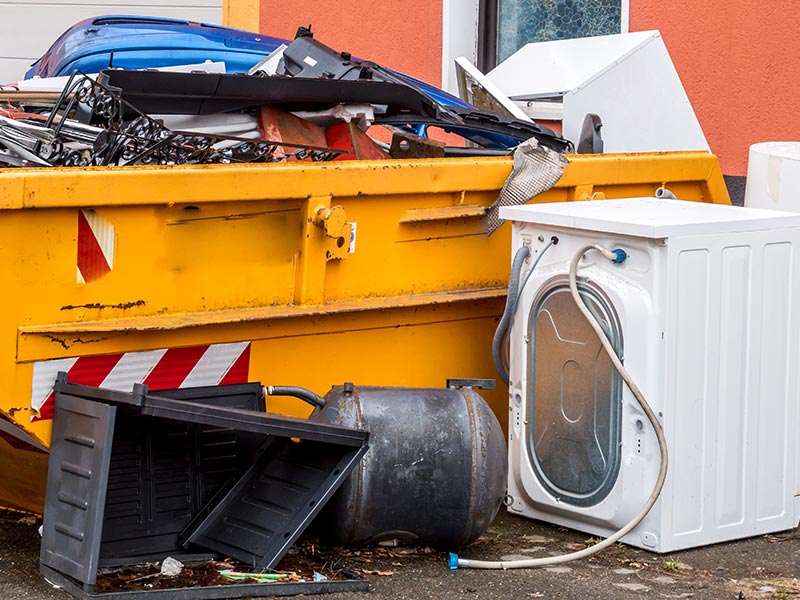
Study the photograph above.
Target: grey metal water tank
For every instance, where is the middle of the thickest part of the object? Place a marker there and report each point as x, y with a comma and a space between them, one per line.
435, 472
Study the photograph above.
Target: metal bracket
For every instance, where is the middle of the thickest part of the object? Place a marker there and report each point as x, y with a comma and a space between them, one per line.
481, 384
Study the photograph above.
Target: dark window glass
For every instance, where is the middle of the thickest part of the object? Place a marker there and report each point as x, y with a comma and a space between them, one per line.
520, 22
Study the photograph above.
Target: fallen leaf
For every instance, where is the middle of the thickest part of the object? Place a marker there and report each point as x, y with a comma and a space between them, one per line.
536, 595
379, 573
413, 551
27, 520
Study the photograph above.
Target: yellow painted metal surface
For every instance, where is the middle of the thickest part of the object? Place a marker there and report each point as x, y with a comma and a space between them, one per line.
379, 273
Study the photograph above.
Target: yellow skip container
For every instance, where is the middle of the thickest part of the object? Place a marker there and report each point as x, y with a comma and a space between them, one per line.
380, 273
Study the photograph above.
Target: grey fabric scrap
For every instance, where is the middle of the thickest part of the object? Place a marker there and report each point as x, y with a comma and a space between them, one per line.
536, 169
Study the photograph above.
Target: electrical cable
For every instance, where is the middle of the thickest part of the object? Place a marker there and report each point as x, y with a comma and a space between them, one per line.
553, 241
616, 256
512, 303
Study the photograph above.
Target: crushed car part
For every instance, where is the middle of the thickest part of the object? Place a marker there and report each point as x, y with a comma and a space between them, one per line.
148, 42
208, 93
489, 130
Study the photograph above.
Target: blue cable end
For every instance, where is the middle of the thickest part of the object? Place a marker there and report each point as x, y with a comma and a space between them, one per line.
620, 255
452, 561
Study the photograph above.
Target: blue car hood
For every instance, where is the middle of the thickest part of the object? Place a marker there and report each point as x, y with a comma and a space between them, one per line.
132, 42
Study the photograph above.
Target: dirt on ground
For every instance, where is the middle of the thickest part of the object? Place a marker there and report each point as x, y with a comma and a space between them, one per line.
765, 567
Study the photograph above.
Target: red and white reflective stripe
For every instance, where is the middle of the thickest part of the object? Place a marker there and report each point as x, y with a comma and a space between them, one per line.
196, 366
95, 246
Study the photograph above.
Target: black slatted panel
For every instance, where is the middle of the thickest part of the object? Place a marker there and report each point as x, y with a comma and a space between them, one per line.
163, 471
259, 517
80, 453
184, 461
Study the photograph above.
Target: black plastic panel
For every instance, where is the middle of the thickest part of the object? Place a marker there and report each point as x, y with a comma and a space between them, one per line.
209, 93
76, 486
162, 472
261, 515
162, 465
252, 421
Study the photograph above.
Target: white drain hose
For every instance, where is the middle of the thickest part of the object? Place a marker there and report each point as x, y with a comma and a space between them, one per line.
455, 561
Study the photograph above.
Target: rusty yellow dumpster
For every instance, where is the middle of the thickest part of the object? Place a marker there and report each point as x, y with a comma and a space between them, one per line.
380, 273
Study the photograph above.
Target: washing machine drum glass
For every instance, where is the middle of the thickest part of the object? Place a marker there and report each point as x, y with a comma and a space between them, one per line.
575, 407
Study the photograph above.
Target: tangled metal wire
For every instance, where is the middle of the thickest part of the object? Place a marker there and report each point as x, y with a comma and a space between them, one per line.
92, 125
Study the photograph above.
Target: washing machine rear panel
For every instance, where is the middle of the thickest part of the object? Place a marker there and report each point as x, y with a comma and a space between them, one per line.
705, 314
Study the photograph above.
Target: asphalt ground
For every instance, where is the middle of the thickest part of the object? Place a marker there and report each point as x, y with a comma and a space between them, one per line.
765, 567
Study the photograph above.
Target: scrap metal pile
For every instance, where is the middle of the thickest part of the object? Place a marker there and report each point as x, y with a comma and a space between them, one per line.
115, 133
303, 102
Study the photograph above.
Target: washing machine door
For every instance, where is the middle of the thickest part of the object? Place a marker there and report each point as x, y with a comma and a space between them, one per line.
575, 395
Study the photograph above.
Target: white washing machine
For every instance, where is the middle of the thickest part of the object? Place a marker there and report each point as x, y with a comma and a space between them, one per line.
705, 312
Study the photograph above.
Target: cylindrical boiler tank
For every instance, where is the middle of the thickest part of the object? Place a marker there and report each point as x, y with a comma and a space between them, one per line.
435, 472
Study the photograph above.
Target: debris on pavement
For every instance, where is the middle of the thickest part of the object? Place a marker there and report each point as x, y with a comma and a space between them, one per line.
262, 577
720, 571
201, 573
171, 567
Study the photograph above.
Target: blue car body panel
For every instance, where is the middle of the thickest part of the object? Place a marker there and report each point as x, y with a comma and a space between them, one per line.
131, 42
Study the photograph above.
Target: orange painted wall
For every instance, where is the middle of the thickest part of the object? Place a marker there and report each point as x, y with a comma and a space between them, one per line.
739, 61
406, 35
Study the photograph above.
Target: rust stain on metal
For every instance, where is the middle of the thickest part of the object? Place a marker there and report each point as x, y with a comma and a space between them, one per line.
122, 305
230, 217
440, 237
67, 344
443, 213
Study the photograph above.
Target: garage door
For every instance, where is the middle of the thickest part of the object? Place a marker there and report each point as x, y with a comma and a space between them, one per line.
29, 27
